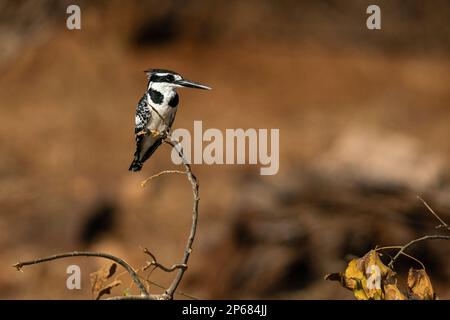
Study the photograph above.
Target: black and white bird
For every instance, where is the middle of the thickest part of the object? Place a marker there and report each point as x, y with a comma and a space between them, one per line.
161, 96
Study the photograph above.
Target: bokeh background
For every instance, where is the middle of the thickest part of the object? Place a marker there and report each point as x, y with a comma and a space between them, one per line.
364, 128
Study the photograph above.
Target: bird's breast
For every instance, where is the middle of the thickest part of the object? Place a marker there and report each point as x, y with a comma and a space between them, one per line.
165, 112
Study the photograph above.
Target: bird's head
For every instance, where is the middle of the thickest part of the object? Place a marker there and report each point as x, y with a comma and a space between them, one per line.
167, 81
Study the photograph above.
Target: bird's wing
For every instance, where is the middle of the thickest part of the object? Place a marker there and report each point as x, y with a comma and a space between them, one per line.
154, 143
142, 118
143, 115
172, 119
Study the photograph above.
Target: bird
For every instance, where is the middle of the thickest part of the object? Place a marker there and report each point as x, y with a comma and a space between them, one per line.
156, 110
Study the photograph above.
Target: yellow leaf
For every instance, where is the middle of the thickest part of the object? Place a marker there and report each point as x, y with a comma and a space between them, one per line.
372, 258
351, 279
391, 292
353, 276
360, 294
375, 273
354, 280
366, 276
419, 285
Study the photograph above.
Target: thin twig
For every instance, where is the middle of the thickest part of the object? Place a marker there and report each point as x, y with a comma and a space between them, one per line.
409, 244
124, 264
403, 253
160, 266
135, 297
442, 224
144, 183
387, 248
181, 293
151, 282
155, 263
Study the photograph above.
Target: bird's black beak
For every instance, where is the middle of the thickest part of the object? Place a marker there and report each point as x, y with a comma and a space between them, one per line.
191, 84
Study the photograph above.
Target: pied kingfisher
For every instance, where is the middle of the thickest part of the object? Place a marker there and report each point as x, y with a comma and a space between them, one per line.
149, 125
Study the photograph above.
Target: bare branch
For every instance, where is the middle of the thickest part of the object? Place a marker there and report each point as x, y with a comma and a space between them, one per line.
402, 249
195, 193
124, 264
155, 263
144, 183
180, 267
403, 253
409, 244
181, 293
134, 297
442, 224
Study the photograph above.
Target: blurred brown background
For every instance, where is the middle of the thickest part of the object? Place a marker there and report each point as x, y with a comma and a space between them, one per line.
364, 128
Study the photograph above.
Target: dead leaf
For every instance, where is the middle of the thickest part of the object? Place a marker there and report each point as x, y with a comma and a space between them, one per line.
375, 272
100, 278
334, 276
370, 279
364, 276
352, 275
391, 292
107, 289
351, 279
419, 285
373, 258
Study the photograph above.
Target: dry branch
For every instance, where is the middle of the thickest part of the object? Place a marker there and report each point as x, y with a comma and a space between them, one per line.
409, 244
401, 249
442, 224
196, 198
180, 267
124, 264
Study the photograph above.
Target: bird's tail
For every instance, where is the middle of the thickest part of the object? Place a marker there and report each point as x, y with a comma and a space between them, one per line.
136, 165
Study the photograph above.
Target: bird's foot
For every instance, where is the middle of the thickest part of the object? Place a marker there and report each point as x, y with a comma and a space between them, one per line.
155, 133
143, 132
147, 132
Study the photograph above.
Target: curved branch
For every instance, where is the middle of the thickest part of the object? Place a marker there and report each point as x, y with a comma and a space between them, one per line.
403, 253
133, 297
409, 244
181, 267
156, 264
124, 264
195, 193
442, 224
144, 183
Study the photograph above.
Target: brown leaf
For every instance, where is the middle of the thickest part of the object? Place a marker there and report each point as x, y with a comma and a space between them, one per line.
353, 276
334, 276
419, 285
391, 292
351, 279
100, 278
365, 277
375, 272
107, 289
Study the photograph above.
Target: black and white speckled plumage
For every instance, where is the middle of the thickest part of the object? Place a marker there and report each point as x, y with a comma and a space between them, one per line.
143, 114
147, 119
159, 101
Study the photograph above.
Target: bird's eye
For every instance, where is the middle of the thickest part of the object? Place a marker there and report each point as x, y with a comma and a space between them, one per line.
170, 78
